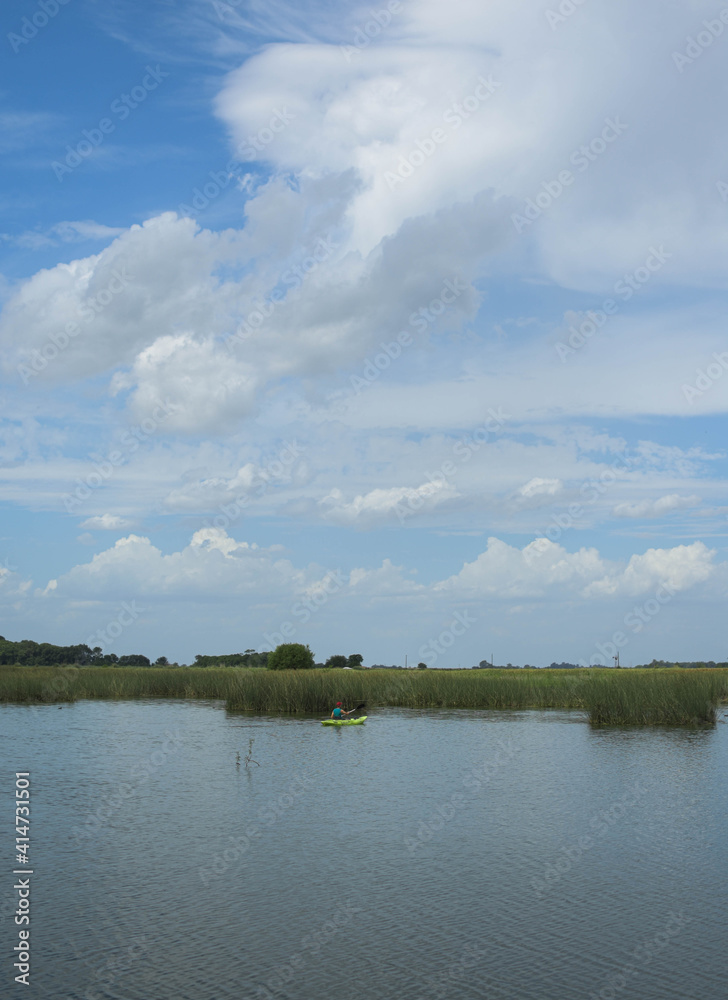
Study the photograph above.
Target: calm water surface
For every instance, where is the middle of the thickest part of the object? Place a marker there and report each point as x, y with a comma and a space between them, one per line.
511, 856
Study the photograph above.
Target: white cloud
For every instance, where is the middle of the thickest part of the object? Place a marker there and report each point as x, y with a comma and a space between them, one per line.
214, 564
541, 487
382, 505
63, 232
505, 572
655, 508
677, 569
106, 522
205, 388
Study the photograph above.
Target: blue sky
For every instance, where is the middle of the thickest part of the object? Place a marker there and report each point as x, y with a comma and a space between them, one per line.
336, 323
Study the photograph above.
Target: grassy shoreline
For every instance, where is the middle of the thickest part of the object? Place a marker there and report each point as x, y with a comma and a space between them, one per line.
627, 697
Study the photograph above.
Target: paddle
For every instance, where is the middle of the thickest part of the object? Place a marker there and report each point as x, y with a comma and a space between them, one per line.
363, 705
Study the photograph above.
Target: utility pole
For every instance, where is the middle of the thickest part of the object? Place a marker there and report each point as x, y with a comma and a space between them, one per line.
616, 660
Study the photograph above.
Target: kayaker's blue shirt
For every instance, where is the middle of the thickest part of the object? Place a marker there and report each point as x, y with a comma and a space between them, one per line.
337, 713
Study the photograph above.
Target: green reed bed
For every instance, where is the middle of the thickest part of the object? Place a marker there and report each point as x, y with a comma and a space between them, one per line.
625, 697
656, 697
51, 684
314, 691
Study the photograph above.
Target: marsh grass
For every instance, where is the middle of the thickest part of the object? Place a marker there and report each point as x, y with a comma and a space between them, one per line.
656, 697
51, 684
625, 697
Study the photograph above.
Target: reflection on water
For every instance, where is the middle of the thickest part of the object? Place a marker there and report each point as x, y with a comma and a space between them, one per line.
422, 855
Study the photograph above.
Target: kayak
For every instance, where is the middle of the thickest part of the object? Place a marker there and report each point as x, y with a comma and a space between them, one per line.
344, 722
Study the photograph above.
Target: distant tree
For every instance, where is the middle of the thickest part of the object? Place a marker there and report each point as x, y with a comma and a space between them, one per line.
337, 661
422, 666
355, 660
134, 660
248, 659
291, 656
161, 661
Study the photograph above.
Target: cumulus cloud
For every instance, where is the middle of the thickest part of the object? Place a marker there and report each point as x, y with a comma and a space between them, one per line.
677, 569
216, 564
505, 571
212, 564
205, 389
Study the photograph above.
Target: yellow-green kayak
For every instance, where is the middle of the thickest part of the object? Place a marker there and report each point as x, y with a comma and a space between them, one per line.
344, 722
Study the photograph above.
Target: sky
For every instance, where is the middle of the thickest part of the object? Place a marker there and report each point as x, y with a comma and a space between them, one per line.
395, 330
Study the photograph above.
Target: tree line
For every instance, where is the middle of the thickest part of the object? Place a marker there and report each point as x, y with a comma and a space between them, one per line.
45, 654
291, 656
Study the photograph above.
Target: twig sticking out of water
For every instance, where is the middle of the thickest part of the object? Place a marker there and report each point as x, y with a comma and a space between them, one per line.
249, 759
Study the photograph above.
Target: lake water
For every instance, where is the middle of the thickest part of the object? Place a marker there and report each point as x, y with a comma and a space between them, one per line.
521, 856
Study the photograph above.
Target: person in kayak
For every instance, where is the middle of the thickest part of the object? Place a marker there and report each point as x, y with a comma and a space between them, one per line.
338, 712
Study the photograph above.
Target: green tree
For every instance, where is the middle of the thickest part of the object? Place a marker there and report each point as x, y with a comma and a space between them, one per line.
422, 666
161, 661
291, 656
134, 660
337, 661
355, 660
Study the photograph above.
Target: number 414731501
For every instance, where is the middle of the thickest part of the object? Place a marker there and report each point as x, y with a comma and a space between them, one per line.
22, 816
